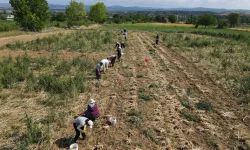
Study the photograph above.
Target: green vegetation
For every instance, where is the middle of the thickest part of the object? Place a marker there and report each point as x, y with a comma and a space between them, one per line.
31, 15
149, 133
221, 33
135, 117
145, 97
234, 19
82, 41
190, 117
204, 105
186, 104
172, 18
205, 20
33, 134
8, 26
75, 13
98, 12
222, 23
64, 79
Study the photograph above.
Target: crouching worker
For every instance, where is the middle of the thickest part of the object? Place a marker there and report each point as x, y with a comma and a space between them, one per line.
98, 71
112, 59
92, 112
80, 125
105, 66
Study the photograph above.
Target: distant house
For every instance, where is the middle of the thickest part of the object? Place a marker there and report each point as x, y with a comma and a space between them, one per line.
10, 17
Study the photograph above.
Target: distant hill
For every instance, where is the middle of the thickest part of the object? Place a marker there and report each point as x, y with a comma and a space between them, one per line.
4, 5
127, 9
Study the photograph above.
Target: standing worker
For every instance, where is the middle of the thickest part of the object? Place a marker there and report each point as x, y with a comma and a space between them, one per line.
98, 71
112, 59
156, 39
119, 53
80, 125
125, 33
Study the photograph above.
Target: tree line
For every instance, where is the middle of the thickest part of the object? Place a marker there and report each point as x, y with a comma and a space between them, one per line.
35, 15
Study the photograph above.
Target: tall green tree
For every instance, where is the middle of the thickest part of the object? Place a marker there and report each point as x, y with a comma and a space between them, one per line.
233, 19
206, 20
222, 23
31, 14
172, 18
75, 12
98, 12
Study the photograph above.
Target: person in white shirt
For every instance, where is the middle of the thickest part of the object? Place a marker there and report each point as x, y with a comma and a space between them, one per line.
106, 63
80, 125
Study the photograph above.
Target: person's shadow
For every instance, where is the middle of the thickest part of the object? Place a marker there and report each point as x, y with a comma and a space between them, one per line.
63, 142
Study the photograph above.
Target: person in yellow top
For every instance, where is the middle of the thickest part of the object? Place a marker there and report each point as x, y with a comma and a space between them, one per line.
80, 125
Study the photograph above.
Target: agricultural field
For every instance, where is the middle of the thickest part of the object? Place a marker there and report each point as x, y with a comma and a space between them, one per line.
192, 94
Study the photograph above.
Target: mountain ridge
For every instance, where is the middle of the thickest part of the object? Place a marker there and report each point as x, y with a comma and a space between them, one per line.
137, 8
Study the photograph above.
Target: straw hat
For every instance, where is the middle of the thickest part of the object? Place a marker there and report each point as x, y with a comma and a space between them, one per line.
91, 101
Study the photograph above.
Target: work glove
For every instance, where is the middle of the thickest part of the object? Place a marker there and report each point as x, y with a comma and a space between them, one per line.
84, 129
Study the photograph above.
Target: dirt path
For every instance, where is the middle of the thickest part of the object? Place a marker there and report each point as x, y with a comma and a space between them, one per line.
30, 37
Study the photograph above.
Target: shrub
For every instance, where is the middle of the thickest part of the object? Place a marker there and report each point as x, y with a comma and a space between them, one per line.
149, 133
189, 91
139, 76
134, 121
204, 105
15, 72
186, 104
33, 134
187, 38
153, 85
141, 90
216, 53
63, 68
190, 117
145, 97
134, 112
245, 85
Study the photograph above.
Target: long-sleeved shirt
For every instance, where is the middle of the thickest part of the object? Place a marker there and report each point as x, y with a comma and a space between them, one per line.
105, 64
99, 67
111, 57
80, 121
93, 110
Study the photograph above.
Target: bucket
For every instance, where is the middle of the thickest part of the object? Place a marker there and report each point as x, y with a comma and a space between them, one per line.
74, 146
112, 120
146, 59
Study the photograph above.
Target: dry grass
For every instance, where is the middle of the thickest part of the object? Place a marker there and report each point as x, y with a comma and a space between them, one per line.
154, 103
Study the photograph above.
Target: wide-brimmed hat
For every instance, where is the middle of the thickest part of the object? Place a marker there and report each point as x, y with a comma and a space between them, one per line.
91, 101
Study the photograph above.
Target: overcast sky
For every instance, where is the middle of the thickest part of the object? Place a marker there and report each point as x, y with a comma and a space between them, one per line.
230, 4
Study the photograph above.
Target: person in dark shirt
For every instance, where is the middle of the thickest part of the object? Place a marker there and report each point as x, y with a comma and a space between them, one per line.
119, 53
157, 39
112, 59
